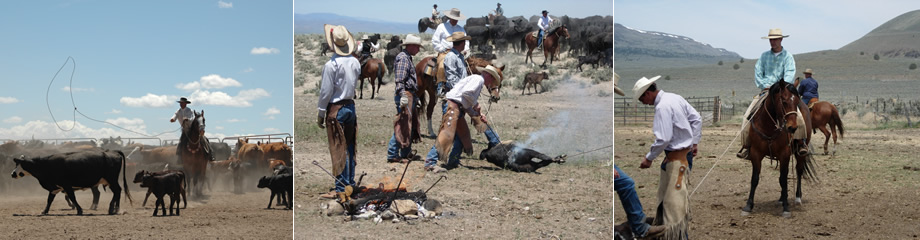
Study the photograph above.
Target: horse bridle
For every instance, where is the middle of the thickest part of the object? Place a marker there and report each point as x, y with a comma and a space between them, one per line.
779, 126
190, 142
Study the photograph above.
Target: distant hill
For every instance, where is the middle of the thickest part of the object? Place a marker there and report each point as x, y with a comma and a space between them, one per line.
636, 48
899, 37
313, 23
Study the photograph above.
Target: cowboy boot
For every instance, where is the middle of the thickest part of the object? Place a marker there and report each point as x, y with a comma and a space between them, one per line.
654, 231
744, 153
801, 148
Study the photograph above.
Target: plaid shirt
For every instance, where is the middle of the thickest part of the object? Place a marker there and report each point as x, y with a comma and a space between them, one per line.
404, 72
770, 68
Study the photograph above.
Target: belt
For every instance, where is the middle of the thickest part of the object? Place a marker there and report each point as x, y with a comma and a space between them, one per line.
681, 156
344, 102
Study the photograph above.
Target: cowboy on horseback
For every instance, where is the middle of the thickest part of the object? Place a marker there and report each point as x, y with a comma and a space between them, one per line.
366, 48
808, 88
435, 15
443, 46
774, 65
544, 24
185, 116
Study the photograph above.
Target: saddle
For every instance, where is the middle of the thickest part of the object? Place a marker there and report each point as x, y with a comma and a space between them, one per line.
431, 67
535, 33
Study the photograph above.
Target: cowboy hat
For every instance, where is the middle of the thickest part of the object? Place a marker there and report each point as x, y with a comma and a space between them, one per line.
492, 71
365, 37
412, 39
544, 11
642, 85
183, 100
616, 89
775, 33
454, 14
808, 71
458, 36
339, 39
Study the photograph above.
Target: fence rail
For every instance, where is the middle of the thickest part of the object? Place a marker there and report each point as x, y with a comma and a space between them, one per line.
711, 109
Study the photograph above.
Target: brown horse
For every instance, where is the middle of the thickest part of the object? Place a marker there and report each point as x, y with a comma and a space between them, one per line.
427, 87
824, 113
550, 44
194, 158
774, 121
374, 70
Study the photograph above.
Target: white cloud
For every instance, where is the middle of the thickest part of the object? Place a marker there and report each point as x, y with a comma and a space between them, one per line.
149, 100
68, 89
42, 129
264, 50
114, 111
234, 120
219, 128
248, 70
222, 4
271, 112
212, 81
13, 119
271, 130
7, 100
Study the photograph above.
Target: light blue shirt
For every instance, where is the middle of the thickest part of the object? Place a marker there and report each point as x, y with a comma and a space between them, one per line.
772, 67
677, 124
338, 83
454, 67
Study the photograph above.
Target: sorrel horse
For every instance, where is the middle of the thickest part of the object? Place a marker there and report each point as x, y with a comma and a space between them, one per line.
194, 158
550, 44
774, 121
374, 70
427, 87
822, 114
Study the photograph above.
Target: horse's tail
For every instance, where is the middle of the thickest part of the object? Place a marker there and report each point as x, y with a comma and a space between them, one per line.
124, 178
422, 25
835, 118
381, 72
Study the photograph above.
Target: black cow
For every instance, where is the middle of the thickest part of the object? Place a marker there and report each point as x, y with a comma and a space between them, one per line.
485, 56
139, 178
279, 185
590, 59
324, 48
167, 183
221, 150
76, 170
389, 59
479, 35
394, 42
477, 21
517, 158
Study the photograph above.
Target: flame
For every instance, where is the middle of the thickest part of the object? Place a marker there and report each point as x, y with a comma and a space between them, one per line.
388, 184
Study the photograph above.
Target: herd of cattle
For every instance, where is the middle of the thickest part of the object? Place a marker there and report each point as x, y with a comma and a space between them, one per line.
85, 165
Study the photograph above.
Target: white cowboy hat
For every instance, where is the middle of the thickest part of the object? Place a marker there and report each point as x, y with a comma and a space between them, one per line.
492, 71
616, 89
454, 14
775, 33
808, 71
642, 85
458, 36
183, 100
365, 37
339, 39
412, 39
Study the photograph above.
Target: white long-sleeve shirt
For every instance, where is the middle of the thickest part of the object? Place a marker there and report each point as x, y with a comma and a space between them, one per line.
544, 22
338, 83
677, 124
182, 114
467, 91
439, 39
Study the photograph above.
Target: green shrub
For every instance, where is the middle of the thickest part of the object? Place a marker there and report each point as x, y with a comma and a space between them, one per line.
913, 66
720, 63
875, 57
736, 67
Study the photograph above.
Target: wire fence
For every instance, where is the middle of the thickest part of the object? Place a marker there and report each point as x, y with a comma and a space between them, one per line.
711, 109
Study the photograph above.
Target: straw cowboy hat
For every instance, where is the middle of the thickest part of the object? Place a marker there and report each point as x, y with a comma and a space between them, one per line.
642, 85
808, 71
616, 89
365, 37
412, 39
492, 71
775, 33
184, 100
454, 14
339, 39
458, 36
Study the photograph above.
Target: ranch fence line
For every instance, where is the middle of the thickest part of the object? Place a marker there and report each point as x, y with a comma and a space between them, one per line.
286, 138
712, 110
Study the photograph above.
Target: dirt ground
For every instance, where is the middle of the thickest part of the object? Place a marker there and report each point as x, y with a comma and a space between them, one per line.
220, 215
867, 191
572, 200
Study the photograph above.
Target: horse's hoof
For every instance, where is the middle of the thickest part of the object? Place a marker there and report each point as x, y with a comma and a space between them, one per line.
787, 214
798, 201
745, 213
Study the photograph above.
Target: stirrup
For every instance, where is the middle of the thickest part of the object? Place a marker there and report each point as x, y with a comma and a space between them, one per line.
744, 153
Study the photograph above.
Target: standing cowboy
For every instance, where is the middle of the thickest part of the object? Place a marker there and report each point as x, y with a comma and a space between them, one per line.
626, 189
808, 88
336, 106
544, 24
406, 126
454, 134
774, 65
185, 116
442, 45
678, 129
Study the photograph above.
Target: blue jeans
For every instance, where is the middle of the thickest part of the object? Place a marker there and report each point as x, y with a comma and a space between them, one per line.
539, 38
393, 146
626, 189
432, 157
348, 119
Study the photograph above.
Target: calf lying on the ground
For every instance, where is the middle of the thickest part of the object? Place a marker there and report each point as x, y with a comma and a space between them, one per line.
534, 79
139, 178
282, 185
485, 56
168, 183
517, 158
590, 59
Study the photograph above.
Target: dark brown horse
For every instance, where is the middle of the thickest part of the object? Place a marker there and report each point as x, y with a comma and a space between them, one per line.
427, 88
550, 44
194, 158
374, 70
824, 113
774, 123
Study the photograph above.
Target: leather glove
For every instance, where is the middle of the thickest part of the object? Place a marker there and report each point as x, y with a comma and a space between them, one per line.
321, 121
403, 100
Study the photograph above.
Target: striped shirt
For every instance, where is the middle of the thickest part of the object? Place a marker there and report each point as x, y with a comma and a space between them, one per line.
771, 67
677, 124
404, 72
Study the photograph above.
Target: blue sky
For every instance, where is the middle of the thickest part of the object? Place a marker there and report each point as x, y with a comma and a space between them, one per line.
410, 11
134, 59
737, 25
